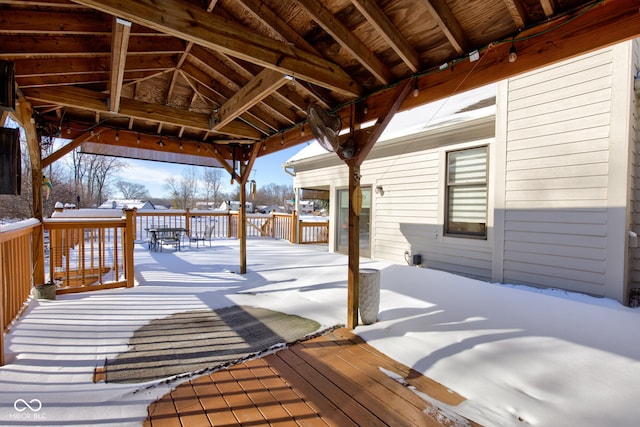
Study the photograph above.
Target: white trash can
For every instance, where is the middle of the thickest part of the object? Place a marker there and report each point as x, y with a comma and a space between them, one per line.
369, 295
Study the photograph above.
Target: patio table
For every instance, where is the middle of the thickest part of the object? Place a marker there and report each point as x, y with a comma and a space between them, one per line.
165, 235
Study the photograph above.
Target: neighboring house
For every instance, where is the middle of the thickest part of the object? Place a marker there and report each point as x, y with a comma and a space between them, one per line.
126, 204
539, 190
234, 205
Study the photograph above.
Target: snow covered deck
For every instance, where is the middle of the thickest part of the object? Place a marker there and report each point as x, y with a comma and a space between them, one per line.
519, 356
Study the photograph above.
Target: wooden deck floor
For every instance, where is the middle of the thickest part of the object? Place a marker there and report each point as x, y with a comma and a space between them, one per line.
336, 380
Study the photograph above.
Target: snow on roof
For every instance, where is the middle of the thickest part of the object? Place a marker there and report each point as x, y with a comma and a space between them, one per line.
455, 109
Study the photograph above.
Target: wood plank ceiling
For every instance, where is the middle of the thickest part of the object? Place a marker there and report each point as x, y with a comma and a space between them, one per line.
232, 79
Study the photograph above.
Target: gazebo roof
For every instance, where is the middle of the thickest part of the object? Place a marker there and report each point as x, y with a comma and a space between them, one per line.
231, 79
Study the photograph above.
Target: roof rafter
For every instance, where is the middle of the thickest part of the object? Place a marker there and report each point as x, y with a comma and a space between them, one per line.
191, 23
347, 40
448, 24
119, 43
548, 7
273, 21
69, 147
518, 12
264, 84
378, 19
96, 101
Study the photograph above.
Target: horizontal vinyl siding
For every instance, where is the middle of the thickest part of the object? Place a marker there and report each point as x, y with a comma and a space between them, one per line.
556, 175
635, 218
406, 216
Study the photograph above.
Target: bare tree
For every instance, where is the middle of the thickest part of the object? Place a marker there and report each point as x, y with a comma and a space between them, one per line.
132, 191
274, 194
93, 176
212, 185
21, 207
183, 190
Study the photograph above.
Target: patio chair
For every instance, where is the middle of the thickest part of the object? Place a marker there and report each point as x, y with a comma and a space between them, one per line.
169, 238
202, 237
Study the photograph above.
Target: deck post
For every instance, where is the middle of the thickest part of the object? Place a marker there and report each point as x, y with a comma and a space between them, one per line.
24, 115
242, 219
294, 228
355, 204
129, 236
187, 219
3, 298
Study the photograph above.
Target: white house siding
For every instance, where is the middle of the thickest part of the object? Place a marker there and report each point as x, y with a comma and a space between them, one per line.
565, 176
409, 215
635, 135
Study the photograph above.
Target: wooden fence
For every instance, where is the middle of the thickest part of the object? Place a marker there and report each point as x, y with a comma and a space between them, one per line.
16, 275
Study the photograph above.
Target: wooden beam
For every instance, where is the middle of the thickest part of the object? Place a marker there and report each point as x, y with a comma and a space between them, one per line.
69, 147
264, 84
242, 217
370, 136
191, 23
518, 12
272, 20
79, 65
606, 24
200, 81
96, 101
353, 274
448, 24
366, 141
212, 4
381, 22
24, 115
119, 44
87, 46
547, 7
347, 40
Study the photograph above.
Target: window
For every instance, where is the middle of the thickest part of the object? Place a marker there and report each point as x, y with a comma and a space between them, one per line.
466, 213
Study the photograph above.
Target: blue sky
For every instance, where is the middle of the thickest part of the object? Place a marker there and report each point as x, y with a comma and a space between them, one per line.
153, 175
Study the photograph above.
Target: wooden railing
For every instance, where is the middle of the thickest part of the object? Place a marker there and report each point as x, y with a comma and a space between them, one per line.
225, 224
314, 232
16, 274
97, 253
90, 253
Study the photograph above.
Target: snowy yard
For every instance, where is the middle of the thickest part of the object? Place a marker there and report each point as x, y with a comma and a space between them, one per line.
520, 356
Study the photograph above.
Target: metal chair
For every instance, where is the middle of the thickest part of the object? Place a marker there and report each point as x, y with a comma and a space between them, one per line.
202, 237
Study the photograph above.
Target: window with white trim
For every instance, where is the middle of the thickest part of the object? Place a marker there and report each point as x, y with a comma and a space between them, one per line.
466, 193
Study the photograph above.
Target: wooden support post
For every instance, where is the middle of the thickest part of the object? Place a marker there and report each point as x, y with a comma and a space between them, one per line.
24, 116
355, 204
129, 238
3, 298
294, 227
242, 222
245, 171
365, 142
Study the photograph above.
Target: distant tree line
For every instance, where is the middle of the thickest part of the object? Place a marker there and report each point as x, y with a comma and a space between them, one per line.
87, 180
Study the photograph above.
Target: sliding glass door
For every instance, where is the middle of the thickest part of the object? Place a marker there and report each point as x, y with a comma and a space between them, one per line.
342, 230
